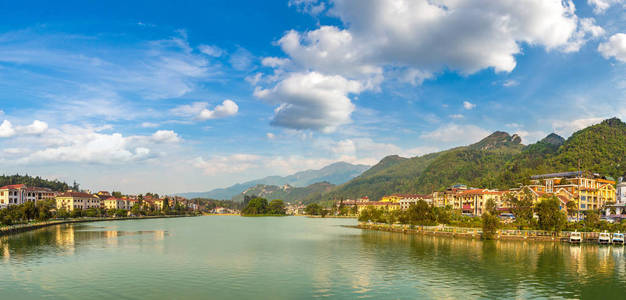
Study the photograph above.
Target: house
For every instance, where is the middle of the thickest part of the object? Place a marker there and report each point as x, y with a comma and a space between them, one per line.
20, 193
77, 200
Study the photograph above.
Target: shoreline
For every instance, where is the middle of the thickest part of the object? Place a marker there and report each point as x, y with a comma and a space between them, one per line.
21, 228
476, 233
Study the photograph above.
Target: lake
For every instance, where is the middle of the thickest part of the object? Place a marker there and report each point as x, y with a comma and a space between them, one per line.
230, 257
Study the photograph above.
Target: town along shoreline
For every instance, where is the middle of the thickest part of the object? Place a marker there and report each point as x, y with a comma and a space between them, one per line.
476, 233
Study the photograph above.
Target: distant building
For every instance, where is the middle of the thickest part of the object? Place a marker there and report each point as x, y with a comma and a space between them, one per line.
589, 191
20, 193
77, 200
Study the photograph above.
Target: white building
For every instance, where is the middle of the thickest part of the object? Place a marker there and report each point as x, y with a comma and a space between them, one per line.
20, 193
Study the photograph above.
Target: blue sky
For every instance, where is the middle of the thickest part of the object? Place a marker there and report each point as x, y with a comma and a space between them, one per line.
194, 95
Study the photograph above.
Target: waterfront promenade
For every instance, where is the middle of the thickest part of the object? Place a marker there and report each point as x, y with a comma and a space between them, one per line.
476, 233
18, 228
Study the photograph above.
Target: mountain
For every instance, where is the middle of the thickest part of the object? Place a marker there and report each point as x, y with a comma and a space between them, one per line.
286, 192
497, 161
54, 185
336, 173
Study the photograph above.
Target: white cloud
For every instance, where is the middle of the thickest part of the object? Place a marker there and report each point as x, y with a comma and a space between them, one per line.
311, 101
457, 116
459, 134
149, 125
211, 50
6, 129
199, 110
510, 83
88, 146
274, 62
415, 39
234, 163
270, 136
468, 105
614, 47
312, 7
241, 59
104, 73
165, 136
431, 35
565, 128
37, 127
226, 109
600, 6
529, 137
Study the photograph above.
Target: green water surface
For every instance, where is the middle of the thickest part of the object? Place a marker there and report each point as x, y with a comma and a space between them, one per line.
229, 257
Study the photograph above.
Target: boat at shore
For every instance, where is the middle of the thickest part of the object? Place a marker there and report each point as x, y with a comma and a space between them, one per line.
618, 238
575, 237
604, 238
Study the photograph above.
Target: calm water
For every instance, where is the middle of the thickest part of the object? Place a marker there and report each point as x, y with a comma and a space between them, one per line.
292, 258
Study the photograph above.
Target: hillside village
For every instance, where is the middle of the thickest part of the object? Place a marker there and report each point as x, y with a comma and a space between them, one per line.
577, 192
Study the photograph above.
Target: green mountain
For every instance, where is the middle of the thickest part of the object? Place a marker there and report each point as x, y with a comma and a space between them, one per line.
497, 161
54, 185
286, 192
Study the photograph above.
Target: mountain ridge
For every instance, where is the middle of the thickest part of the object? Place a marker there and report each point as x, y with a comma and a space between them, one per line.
335, 173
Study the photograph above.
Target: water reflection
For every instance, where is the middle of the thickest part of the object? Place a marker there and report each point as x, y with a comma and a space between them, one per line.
496, 269
63, 240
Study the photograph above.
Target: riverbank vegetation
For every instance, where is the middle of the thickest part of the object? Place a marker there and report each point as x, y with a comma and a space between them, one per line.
45, 210
545, 215
258, 206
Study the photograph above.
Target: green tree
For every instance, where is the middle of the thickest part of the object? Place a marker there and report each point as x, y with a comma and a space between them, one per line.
572, 208
256, 206
592, 219
550, 216
117, 194
490, 224
62, 213
421, 213
276, 207
522, 208
313, 209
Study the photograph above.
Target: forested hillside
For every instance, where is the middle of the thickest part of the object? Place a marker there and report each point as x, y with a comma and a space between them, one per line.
55, 185
497, 161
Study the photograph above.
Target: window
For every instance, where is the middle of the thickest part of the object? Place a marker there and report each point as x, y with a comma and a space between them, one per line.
583, 206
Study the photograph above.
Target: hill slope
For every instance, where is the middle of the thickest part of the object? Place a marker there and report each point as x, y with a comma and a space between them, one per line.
286, 192
336, 173
497, 161
54, 185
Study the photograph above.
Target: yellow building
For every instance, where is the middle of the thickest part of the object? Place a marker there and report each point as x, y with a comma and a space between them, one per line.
589, 191
378, 205
395, 198
117, 203
77, 200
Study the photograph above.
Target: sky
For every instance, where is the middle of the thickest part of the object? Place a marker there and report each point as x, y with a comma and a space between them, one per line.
169, 97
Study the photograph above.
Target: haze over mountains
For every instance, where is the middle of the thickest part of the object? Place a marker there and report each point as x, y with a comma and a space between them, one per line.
336, 173
499, 161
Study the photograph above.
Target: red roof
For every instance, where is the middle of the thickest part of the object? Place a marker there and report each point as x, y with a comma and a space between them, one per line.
13, 187
76, 195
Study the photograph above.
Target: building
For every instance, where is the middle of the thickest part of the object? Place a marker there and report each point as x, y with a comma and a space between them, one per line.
409, 199
620, 201
20, 193
378, 205
77, 200
117, 203
589, 191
